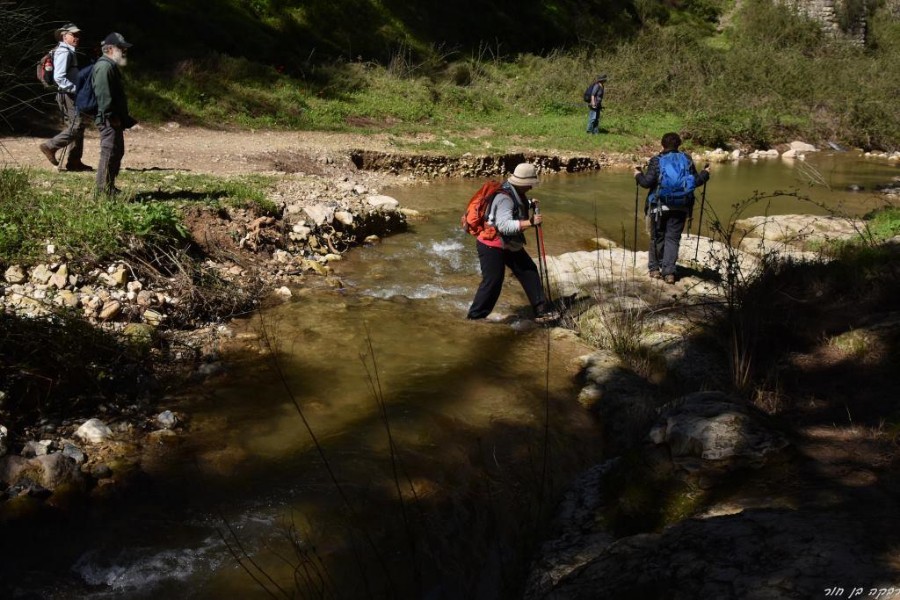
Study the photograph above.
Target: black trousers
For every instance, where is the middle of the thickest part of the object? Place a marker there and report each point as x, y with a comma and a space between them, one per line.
665, 239
493, 269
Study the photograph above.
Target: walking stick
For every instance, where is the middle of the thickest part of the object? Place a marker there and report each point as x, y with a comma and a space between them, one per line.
634, 246
542, 259
699, 220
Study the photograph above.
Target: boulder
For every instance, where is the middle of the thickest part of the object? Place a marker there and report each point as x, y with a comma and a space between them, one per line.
167, 419
383, 202
67, 298
15, 275
45, 472
41, 274
35, 448
695, 365
798, 230
74, 452
116, 276
623, 400
343, 217
802, 147
93, 431
319, 214
712, 427
153, 318
577, 540
760, 554
60, 279
110, 310
57, 469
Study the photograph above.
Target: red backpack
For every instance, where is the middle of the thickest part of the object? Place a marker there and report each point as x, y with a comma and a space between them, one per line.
45, 69
473, 220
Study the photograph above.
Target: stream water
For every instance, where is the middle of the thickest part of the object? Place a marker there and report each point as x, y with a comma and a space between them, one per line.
297, 460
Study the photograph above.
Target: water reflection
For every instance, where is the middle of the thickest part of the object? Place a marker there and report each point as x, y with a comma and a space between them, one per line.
579, 207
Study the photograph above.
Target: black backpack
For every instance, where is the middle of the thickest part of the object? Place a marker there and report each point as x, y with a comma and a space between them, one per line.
85, 99
588, 93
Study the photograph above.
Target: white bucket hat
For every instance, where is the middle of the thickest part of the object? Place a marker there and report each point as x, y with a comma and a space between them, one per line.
524, 174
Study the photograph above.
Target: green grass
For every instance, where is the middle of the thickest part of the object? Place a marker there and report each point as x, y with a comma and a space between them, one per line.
37, 208
757, 84
885, 223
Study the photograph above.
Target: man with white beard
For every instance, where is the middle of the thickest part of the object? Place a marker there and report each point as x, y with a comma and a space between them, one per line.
112, 111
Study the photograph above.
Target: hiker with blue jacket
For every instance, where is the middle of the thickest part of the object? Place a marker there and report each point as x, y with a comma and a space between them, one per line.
112, 111
65, 76
509, 212
671, 178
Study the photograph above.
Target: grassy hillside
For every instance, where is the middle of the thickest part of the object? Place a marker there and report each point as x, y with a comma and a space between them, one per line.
478, 77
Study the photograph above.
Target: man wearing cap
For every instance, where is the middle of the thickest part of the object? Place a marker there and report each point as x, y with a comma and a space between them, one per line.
65, 74
112, 110
509, 214
595, 106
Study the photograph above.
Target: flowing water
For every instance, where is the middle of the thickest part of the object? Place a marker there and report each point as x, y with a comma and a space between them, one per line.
377, 392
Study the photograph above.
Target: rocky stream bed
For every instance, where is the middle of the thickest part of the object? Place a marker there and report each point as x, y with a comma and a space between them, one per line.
819, 531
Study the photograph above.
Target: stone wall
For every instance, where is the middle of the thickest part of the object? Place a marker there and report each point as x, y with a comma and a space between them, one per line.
829, 14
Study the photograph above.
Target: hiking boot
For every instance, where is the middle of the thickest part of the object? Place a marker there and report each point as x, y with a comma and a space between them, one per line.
50, 154
654, 275
669, 278
79, 166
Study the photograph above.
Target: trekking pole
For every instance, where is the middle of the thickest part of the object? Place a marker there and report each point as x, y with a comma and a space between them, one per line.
634, 246
654, 225
700, 219
542, 258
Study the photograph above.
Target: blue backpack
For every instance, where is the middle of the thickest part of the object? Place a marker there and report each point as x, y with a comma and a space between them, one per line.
676, 183
85, 99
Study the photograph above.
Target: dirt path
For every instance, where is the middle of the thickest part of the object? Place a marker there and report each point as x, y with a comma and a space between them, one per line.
220, 152
172, 147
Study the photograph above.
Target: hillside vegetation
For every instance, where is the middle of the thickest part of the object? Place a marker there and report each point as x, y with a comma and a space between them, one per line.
506, 70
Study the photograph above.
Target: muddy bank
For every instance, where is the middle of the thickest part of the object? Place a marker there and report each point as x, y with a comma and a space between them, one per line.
472, 166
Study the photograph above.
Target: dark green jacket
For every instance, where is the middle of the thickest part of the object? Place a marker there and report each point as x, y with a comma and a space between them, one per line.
111, 100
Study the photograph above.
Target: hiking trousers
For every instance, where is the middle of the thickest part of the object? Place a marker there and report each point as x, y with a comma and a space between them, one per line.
665, 239
493, 269
112, 149
73, 132
593, 124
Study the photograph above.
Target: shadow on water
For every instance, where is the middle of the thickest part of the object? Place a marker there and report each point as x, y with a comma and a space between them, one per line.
467, 421
466, 404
